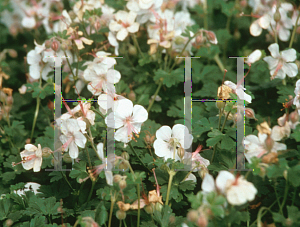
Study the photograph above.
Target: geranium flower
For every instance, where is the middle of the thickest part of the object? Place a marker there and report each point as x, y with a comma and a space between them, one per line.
72, 137
123, 24
105, 102
128, 119
258, 25
239, 90
236, 189
30, 186
254, 57
296, 101
280, 63
31, 158
169, 140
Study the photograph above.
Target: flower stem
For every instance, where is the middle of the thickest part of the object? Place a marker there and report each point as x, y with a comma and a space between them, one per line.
205, 14
277, 198
268, 209
223, 126
285, 195
139, 205
91, 191
124, 223
138, 157
100, 114
111, 209
88, 156
137, 45
172, 173
155, 94
38, 101
294, 32
219, 62
67, 181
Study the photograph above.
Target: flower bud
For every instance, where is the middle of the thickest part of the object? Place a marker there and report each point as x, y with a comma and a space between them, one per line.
179, 40
132, 50
180, 152
285, 174
211, 36
125, 155
117, 178
192, 215
46, 152
271, 157
48, 44
294, 117
220, 104
27, 141
9, 222
122, 184
121, 214
12, 53
277, 16
158, 207
149, 209
269, 143
132, 96
250, 113
55, 45
202, 221
289, 222
203, 172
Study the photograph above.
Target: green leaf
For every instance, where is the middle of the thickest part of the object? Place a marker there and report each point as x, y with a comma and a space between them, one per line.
293, 175
296, 133
40, 206
213, 141
227, 143
187, 185
4, 208
56, 176
215, 133
37, 221
101, 214
170, 79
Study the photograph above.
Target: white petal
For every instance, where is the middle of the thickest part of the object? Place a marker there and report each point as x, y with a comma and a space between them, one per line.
222, 179
181, 132
28, 22
289, 55
37, 164
254, 56
264, 21
161, 149
133, 28
272, 62
208, 183
274, 50
191, 177
125, 108
283, 34
290, 69
130, 18
122, 135
114, 26
255, 29
113, 76
139, 114
164, 133
80, 139
30, 147
122, 34
100, 150
109, 177
73, 150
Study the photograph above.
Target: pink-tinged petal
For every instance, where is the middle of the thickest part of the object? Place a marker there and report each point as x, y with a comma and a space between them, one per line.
114, 26
73, 150
264, 21
100, 150
290, 69
30, 147
139, 114
272, 62
133, 28
255, 29
29, 164
122, 34
208, 183
94, 91
86, 41
37, 164
137, 127
164, 133
289, 55
113, 76
80, 139
222, 179
125, 108
122, 135
161, 149
79, 44
280, 74
274, 50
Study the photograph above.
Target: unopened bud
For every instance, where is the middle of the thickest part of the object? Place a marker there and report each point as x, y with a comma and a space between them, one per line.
97, 25
72, 15
250, 113
180, 152
294, 117
179, 40
271, 157
285, 174
55, 45
121, 214
9, 222
117, 178
125, 155
192, 215
158, 207
46, 152
48, 44
220, 104
202, 221
12, 53
277, 16
122, 184
123, 166
203, 172
27, 141
269, 142
132, 95
132, 50
289, 222
211, 36
149, 209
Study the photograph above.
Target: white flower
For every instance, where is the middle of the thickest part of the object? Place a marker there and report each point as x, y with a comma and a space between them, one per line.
124, 23
254, 57
239, 90
169, 140
30, 186
279, 63
32, 157
72, 137
257, 146
105, 104
128, 119
296, 101
236, 189
107, 162
259, 24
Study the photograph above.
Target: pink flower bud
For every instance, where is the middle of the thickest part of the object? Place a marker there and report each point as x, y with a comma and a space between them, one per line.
55, 45
211, 36
294, 117
250, 113
269, 142
202, 221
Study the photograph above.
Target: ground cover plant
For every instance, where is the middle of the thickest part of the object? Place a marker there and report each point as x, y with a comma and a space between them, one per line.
119, 144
